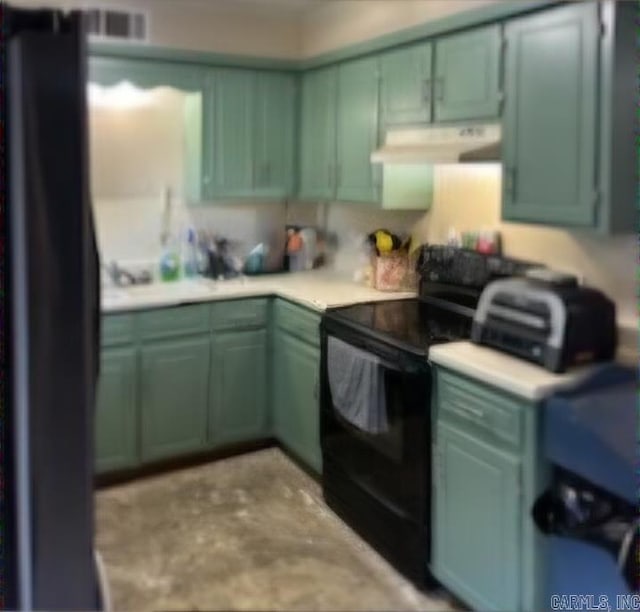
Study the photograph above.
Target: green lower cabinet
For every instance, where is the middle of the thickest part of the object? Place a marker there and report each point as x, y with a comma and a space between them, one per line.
296, 411
238, 387
477, 521
116, 411
174, 393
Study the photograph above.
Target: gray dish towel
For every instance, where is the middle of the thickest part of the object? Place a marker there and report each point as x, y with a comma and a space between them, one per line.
356, 380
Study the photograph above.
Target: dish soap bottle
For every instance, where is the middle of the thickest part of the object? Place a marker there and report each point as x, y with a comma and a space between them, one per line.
169, 262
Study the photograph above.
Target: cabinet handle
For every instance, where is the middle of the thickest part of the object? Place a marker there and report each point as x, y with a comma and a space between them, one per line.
338, 175
439, 89
316, 388
467, 412
331, 176
267, 173
426, 90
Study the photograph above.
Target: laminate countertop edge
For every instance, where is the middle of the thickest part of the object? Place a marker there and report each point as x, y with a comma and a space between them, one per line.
510, 374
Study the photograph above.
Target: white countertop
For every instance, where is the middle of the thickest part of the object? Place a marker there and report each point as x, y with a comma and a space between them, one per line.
511, 374
318, 289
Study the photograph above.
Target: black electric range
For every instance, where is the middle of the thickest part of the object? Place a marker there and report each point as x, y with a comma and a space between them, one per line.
378, 479
410, 325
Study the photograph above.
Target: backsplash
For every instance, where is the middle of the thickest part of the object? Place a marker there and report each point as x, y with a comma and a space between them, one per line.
468, 197
129, 229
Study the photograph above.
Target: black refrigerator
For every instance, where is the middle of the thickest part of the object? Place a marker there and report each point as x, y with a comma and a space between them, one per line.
50, 317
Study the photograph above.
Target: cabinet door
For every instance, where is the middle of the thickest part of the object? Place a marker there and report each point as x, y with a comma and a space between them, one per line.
232, 133
467, 79
406, 85
477, 551
274, 135
551, 86
116, 411
318, 134
238, 386
358, 180
296, 372
174, 387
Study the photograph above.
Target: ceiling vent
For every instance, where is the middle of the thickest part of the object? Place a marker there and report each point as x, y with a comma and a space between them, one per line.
117, 25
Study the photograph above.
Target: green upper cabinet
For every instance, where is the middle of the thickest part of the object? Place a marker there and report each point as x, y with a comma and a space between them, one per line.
275, 114
357, 179
174, 396
250, 133
550, 119
405, 95
467, 75
477, 521
232, 133
116, 410
238, 389
318, 134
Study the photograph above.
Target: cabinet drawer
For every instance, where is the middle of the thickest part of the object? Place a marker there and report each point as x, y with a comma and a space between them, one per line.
235, 314
479, 409
297, 321
117, 329
176, 321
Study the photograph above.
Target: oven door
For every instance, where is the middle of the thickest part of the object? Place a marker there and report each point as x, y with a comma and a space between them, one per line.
392, 466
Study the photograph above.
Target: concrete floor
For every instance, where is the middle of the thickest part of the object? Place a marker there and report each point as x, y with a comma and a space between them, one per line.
246, 533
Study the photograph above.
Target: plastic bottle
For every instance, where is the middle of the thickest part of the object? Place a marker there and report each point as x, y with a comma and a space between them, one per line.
191, 255
169, 262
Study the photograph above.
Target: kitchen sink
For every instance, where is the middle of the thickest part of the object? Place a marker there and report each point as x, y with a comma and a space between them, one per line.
178, 290
184, 288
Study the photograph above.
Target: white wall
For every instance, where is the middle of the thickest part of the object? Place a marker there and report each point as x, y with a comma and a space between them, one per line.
331, 25
253, 28
469, 198
205, 26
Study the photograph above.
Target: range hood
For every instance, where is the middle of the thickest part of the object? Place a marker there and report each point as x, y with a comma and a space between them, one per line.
441, 145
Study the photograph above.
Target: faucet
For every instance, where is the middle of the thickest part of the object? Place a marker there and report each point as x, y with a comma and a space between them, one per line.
116, 273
